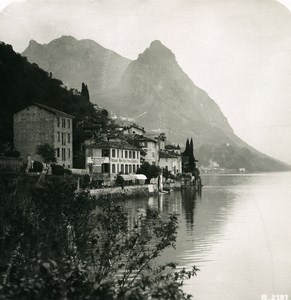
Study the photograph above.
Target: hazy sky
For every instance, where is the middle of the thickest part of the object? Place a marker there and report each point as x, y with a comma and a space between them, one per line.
238, 51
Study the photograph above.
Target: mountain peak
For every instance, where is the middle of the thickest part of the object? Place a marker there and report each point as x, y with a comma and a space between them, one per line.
33, 43
66, 39
156, 44
157, 52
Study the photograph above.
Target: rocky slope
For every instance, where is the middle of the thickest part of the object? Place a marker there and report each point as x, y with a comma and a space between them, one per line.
75, 62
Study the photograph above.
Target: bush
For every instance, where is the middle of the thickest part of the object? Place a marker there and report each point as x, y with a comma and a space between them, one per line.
37, 167
59, 244
58, 170
68, 172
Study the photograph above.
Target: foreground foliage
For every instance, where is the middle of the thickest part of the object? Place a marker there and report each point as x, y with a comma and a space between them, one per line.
59, 244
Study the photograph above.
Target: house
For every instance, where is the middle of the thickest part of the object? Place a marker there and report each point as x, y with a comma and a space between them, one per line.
39, 124
105, 159
149, 147
134, 129
171, 162
173, 149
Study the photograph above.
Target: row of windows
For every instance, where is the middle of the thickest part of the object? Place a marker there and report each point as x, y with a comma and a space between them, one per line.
124, 153
66, 137
127, 169
64, 123
63, 153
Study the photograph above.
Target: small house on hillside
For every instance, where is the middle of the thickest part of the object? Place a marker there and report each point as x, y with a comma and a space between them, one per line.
134, 129
39, 124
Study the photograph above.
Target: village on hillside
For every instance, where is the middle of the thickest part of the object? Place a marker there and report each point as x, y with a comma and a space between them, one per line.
112, 147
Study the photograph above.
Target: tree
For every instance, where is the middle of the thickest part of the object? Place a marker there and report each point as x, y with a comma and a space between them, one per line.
150, 171
47, 152
85, 91
192, 164
187, 148
59, 244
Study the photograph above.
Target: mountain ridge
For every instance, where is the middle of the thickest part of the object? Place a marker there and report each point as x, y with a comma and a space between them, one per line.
156, 84
90, 62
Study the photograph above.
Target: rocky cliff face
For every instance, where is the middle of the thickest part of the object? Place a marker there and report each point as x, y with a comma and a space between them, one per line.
75, 62
156, 84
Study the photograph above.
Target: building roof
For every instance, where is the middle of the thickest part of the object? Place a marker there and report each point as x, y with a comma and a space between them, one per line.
172, 147
50, 109
137, 127
112, 144
164, 154
146, 139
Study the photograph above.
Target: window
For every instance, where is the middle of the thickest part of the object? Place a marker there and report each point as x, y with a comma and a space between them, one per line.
113, 153
125, 153
122, 168
126, 169
133, 154
133, 169
137, 155
58, 121
113, 168
64, 123
153, 154
69, 138
121, 153
59, 136
58, 152
69, 153
130, 169
63, 138
63, 154
117, 168
130, 154
117, 153
69, 123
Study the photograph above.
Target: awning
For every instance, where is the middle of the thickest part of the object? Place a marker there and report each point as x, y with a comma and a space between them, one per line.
140, 176
133, 177
128, 177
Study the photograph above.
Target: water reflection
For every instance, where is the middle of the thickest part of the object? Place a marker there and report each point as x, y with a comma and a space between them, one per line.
237, 232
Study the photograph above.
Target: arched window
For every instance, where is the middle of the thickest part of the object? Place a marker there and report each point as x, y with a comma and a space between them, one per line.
113, 169
122, 168
126, 169
130, 169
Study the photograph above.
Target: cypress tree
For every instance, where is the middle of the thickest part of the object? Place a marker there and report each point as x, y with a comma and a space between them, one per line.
186, 152
85, 92
191, 157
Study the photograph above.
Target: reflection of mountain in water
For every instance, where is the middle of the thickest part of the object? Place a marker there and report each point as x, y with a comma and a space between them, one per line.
200, 220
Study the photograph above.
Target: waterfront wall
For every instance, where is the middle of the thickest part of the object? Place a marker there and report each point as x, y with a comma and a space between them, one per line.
127, 192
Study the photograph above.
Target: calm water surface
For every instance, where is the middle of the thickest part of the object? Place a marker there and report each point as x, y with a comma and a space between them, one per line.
238, 233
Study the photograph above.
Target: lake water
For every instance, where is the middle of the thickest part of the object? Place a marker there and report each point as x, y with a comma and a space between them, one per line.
237, 232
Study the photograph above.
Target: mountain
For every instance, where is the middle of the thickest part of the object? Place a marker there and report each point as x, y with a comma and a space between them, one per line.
155, 88
76, 61
155, 83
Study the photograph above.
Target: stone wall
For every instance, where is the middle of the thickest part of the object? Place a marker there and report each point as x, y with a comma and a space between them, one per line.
11, 164
127, 192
